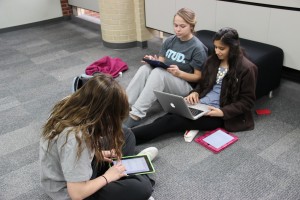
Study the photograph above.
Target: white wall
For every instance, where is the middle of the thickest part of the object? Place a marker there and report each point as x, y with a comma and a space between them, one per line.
87, 4
20, 12
160, 13
206, 15
250, 21
277, 27
286, 3
273, 26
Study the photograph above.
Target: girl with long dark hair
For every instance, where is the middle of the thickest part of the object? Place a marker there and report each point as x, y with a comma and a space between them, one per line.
227, 85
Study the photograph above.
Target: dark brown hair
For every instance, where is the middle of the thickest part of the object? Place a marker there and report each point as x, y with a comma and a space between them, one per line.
229, 37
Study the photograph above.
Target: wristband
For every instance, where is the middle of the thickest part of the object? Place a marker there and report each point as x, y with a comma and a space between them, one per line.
105, 179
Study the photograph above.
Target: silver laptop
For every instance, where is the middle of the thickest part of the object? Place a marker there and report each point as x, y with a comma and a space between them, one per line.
176, 104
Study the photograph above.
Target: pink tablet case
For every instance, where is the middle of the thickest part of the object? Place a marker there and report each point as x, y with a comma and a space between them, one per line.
201, 141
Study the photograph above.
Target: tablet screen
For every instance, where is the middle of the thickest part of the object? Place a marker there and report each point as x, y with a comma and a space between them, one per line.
218, 139
139, 164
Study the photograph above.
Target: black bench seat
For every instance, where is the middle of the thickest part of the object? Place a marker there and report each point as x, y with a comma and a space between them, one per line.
268, 59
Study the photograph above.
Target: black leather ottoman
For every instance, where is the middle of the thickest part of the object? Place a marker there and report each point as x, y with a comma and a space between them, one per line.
268, 59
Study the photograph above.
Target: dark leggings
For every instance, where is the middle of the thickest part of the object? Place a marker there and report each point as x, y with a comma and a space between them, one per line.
171, 123
138, 187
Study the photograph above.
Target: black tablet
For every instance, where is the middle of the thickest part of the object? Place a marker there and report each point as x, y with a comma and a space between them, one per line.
156, 63
138, 164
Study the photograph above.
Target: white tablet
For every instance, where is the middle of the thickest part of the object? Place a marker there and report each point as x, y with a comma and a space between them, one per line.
138, 164
217, 140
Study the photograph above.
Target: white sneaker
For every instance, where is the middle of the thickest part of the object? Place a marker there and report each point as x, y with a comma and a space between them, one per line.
151, 198
151, 152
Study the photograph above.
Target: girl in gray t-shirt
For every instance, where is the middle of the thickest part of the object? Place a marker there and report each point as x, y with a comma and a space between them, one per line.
82, 135
183, 53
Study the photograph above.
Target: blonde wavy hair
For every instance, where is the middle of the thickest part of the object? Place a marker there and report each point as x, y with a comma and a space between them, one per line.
93, 113
188, 16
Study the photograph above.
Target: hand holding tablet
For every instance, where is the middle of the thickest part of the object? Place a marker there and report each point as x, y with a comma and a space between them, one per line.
156, 63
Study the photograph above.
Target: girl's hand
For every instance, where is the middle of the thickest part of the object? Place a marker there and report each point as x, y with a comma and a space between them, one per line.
193, 98
115, 172
108, 155
150, 57
174, 70
215, 112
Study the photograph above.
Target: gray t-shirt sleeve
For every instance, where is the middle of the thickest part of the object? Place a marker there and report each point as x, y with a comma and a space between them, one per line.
199, 56
74, 169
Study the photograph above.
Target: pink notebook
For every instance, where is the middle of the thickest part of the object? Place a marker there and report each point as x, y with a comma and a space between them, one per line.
216, 140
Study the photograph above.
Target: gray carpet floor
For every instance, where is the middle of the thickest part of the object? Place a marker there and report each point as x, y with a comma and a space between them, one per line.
37, 67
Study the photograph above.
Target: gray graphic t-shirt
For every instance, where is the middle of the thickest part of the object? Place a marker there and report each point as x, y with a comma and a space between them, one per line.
187, 55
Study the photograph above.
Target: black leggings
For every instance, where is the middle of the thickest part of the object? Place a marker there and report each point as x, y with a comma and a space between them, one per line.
139, 187
171, 123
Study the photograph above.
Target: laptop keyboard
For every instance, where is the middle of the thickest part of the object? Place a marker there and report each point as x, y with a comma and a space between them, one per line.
195, 111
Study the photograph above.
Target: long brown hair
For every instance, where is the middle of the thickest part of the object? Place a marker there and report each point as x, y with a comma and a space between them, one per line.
229, 37
93, 113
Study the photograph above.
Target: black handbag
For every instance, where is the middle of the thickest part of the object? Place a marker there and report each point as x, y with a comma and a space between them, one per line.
79, 81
